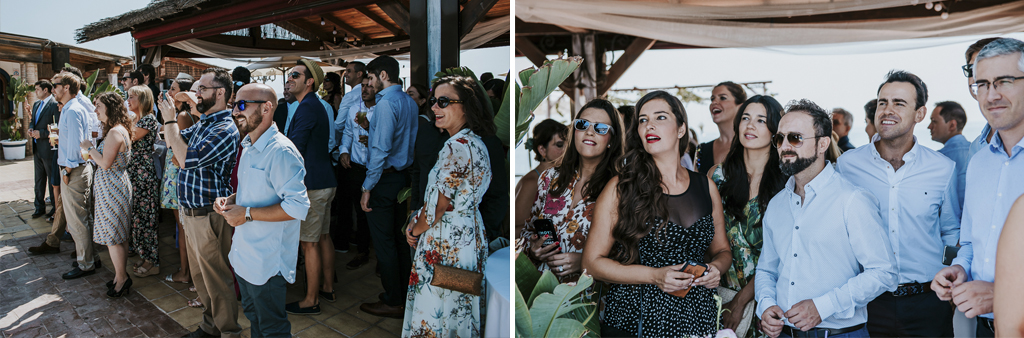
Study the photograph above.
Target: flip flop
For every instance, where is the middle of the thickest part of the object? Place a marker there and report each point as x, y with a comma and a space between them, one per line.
170, 279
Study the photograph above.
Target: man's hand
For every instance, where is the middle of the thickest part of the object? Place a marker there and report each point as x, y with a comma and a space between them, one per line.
363, 123
67, 180
234, 214
804, 315
771, 321
175, 161
364, 201
974, 298
34, 133
346, 160
167, 110
947, 279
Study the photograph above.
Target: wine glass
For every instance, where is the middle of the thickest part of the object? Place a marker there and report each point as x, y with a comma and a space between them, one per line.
53, 134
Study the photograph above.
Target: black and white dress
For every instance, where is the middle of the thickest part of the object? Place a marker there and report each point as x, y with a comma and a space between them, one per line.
645, 310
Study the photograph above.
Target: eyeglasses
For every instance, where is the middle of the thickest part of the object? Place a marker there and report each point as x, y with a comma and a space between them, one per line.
294, 75
1001, 84
126, 78
968, 70
204, 88
795, 139
443, 102
599, 128
240, 104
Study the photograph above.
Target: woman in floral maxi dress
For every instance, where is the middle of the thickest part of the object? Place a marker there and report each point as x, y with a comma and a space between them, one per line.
142, 172
449, 230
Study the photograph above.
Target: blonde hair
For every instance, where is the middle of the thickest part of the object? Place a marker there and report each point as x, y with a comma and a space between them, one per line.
145, 97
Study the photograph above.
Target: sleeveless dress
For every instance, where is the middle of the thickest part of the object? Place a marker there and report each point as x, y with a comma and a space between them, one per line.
142, 171
113, 195
169, 195
645, 310
705, 157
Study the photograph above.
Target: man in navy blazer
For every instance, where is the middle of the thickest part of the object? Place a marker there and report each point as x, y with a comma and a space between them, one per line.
44, 111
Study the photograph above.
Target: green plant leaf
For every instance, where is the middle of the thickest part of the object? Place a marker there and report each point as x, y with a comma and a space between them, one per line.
90, 82
524, 325
404, 194
548, 308
562, 327
546, 284
501, 119
526, 274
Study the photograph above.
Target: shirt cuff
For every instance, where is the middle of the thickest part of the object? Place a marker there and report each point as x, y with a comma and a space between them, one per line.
764, 304
826, 308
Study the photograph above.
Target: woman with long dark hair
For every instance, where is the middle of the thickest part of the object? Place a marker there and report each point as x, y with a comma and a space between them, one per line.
332, 85
651, 222
566, 193
747, 179
725, 98
547, 144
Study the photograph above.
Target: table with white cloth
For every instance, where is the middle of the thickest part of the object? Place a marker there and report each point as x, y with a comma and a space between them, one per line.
499, 320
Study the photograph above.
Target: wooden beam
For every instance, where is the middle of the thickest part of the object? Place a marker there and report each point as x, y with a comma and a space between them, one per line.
302, 33
620, 66
320, 34
536, 56
244, 41
398, 13
471, 13
380, 21
344, 26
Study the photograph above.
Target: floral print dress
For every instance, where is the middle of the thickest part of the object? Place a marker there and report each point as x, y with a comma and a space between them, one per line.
169, 195
745, 239
462, 173
572, 222
145, 192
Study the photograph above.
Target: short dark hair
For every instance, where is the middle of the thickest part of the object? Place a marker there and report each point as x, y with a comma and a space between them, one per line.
543, 133
822, 119
137, 76
486, 77
308, 73
147, 70
847, 117
222, 78
478, 117
73, 70
241, 74
869, 110
45, 84
358, 67
735, 89
952, 111
976, 47
905, 76
386, 64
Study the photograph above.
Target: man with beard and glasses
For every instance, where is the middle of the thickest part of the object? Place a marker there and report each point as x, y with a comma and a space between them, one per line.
266, 211
206, 152
916, 190
825, 253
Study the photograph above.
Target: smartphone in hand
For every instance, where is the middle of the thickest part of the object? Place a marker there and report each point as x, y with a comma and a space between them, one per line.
697, 269
545, 227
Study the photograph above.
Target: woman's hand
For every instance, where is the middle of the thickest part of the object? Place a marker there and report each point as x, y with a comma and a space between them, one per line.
565, 263
709, 280
731, 319
669, 279
539, 251
409, 238
85, 144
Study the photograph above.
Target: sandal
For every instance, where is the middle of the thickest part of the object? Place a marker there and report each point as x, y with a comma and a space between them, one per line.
170, 279
144, 272
193, 289
195, 303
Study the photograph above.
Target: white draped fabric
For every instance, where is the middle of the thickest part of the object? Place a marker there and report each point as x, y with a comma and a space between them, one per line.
704, 22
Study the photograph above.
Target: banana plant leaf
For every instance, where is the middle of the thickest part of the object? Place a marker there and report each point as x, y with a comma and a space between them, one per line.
524, 325
546, 284
548, 309
404, 194
526, 274
537, 84
501, 119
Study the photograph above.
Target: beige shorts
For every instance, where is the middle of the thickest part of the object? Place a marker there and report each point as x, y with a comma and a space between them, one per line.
318, 219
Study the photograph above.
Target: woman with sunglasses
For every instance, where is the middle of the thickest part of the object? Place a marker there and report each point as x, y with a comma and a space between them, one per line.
142, 171
548, 144
747, 179
725, 99
449, 230
650, 223
567, 192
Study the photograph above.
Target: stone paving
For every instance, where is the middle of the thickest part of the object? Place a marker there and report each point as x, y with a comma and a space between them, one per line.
36, 302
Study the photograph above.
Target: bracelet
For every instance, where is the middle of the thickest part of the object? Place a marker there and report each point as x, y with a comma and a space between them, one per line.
169, 122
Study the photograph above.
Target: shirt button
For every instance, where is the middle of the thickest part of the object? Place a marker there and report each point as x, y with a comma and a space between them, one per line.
794, 255
798, 227
986, 260
792, 283
999, 194
993, 226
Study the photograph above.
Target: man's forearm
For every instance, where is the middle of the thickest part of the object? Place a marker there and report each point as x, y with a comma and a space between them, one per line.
177, 144
271, 213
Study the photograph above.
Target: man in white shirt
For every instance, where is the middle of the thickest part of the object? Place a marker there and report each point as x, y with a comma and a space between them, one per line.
916, 190
825, 253
354, 154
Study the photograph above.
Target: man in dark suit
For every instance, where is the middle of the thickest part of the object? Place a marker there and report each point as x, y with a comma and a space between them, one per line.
44, 111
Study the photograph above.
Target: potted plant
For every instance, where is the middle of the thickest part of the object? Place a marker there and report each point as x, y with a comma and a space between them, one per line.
14, 145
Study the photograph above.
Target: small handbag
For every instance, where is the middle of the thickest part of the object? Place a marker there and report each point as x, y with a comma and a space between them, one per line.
455, 279
748, 311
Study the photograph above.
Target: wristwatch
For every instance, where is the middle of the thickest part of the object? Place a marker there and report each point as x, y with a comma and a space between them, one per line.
248, 216
365, 190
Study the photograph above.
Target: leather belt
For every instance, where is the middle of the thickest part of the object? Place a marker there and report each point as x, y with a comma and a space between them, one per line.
910, 289
197, 212
818, 332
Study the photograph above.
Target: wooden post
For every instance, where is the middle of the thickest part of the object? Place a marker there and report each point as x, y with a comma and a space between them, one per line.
637, 47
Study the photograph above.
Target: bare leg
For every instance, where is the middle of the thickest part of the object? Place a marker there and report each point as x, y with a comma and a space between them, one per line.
183, 273
119, 258
327, 262
312, 252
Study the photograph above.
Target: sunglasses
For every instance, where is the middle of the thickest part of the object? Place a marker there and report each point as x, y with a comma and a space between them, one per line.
294, 75
443, 102
968, 70
125, 78
599, 128
240, 104
795, 139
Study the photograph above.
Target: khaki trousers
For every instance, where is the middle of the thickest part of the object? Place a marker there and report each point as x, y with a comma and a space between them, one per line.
77, 212
209, 241
60, 224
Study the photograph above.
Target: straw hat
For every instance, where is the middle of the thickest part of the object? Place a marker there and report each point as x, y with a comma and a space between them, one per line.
318, 73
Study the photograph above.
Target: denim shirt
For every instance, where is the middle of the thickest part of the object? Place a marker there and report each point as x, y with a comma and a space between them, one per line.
392, 134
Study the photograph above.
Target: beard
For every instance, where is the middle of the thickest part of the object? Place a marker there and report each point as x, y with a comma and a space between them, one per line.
798, 165
202, 106
251, 123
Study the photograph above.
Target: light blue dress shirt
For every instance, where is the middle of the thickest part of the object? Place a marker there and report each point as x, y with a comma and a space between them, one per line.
959, 150
74, 128
918, 204
392, 134
994, 182
830, 248
351, 98
979, 142
270, 172
358, 153
292, 106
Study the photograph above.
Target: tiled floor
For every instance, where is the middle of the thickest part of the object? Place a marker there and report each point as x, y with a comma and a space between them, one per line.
36, 302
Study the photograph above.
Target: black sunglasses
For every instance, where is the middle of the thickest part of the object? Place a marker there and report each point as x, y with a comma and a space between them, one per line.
294, 75
968, 70
599, 128
443, 102
795, 139
240, 104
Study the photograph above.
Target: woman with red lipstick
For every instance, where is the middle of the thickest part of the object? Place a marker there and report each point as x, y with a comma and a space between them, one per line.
725, 99
652, 221
747, 179
568, 191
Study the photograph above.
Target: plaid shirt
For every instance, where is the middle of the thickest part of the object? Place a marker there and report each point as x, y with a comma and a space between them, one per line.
205, 175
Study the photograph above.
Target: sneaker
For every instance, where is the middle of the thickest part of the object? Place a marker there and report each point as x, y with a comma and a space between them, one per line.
293, 308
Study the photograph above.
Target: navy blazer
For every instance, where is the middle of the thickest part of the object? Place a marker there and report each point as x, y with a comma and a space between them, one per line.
50, 114
310, 133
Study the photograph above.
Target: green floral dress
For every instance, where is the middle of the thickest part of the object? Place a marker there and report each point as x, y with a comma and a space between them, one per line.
462, 173
746, 240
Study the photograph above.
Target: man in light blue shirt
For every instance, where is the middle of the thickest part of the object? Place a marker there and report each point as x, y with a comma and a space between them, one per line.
994, 182
947, 127
355, 73
825, 253
266, 211
352, 163
915, 188
392, 132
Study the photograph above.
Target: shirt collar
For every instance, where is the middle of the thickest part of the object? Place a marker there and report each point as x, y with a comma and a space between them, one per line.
215, 116
958, 138
997, 145
387, 90
817, 183
909, 156
264, 140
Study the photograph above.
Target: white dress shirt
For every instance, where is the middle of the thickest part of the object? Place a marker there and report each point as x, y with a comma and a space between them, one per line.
830, 248
350, 98
358, 152
919, 204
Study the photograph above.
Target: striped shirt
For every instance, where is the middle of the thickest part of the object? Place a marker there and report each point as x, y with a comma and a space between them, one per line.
206, 173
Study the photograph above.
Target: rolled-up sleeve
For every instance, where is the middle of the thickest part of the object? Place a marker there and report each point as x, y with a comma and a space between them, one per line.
286, 177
